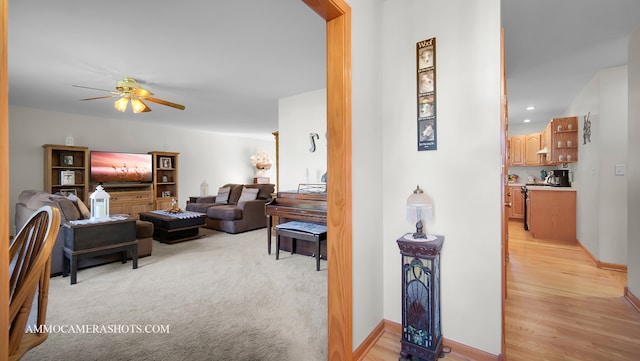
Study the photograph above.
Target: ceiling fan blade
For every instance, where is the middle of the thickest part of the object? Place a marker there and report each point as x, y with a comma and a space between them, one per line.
104, 90
102, 97
164, 102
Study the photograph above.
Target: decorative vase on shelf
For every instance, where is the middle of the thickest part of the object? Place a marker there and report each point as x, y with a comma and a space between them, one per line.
262, 168
204, 189
262, 162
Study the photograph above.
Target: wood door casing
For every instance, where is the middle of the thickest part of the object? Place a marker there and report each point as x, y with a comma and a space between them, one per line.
4, 186
504, 127
339, 204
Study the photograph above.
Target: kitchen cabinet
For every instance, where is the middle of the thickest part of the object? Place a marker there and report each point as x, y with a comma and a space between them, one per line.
516, 150
561, 138
516, 198
523, 150
532, 144
552, 213
517, 202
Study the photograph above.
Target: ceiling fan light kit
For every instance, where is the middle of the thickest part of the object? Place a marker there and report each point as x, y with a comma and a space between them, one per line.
121, 104
138, 106
128, 89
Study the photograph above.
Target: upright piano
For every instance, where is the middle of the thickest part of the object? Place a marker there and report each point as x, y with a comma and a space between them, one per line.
300, 206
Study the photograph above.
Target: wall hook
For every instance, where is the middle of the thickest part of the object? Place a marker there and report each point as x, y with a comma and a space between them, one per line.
312, 138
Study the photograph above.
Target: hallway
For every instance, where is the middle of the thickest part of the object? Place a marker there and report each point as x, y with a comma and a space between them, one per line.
559, 307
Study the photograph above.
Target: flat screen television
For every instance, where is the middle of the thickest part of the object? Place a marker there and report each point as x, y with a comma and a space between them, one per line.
117, 167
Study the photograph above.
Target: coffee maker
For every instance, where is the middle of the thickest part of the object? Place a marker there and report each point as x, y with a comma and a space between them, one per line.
559, 178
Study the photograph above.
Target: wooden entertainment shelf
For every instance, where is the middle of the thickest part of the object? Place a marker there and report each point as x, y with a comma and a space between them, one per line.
62, 159
66, 169
130, 199
165, 178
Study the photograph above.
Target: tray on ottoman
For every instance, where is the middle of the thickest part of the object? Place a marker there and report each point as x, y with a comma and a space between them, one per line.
174, 227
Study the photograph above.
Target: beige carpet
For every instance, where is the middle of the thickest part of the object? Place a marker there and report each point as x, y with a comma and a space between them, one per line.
221, 296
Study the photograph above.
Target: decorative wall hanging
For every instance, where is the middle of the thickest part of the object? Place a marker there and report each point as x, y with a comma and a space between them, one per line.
426, 79
586, 135
312, 138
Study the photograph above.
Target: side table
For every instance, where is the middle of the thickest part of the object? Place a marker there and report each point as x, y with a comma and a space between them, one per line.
83, 239
194, 199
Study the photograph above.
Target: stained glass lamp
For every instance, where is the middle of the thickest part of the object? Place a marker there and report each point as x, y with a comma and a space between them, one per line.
419, 211
421, 327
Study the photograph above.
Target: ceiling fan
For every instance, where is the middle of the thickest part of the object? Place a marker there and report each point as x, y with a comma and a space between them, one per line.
129, 90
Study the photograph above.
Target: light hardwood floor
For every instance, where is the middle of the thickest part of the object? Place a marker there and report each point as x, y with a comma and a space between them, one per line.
559, 307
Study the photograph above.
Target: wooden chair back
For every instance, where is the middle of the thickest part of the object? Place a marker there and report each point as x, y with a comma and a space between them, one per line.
30, 257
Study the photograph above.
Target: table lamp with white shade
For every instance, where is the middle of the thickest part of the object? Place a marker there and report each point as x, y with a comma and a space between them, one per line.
419, 212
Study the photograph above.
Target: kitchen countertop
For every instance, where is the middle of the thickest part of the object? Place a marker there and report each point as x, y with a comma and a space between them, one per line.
548, 188
542, 187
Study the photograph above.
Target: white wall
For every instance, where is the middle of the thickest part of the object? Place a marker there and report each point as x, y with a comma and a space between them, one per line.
214, 157
367, 171
298, 116
601, 195
633, 169
468, 103
526, 128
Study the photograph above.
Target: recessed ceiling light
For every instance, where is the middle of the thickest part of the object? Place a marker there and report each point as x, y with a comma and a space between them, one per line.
530, 108
527, 120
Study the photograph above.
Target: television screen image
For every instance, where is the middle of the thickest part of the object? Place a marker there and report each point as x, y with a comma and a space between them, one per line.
114, 167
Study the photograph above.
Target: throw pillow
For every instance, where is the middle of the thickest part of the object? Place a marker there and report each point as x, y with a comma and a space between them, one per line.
223, 195
68, 209
82, 208
248, 194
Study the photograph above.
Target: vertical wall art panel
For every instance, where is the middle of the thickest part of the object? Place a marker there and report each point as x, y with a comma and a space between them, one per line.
426, 79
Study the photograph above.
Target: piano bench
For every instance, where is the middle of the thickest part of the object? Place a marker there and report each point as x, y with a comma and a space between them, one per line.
301, 230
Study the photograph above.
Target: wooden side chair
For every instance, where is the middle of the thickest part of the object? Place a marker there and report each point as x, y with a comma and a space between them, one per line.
30, 257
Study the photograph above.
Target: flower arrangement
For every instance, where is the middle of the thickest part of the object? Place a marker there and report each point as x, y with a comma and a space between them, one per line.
262, 161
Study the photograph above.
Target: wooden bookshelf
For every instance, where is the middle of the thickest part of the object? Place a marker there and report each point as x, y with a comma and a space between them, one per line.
66, 170
165, 178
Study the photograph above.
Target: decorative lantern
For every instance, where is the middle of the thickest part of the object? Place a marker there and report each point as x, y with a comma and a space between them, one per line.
419, 212
99, 204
